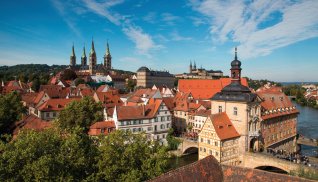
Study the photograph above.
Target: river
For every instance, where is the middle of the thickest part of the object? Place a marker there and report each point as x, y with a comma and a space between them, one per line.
308, 126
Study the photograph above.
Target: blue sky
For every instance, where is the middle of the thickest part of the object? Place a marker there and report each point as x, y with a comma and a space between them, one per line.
276, 39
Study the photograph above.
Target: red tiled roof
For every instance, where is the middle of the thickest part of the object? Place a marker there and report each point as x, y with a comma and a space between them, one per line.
54, 91
169, 102
31, 122
205, 89
39, 97
103, 124
87, 92
56, 104
138, 112
29, 98
203, 112
223, 126
109, 99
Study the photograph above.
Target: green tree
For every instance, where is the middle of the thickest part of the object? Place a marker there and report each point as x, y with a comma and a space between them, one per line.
78, 81
173, 142
11, 110
47, 156
36, 85
81, 114
131, 85
125, 156
68, 74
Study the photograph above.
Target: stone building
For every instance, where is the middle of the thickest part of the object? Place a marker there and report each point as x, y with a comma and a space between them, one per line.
279, 121
154, 119
220, 139
92, 67
200, 73
147, 78
241, 106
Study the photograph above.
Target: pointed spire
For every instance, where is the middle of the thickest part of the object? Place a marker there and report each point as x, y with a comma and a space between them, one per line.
84, 53
235, 53
190, 63
107, 50
73, 52
92, 48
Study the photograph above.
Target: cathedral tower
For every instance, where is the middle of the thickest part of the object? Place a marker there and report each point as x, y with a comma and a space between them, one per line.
83, 58
92, 59
107, 59
190, 67
73, 58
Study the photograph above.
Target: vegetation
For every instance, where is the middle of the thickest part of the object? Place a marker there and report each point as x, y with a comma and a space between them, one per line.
299, 91
68, 74
131, 85
309, 174
256, 84
11, 110
78, 81
29, 72
130, 157
47, 156
173, 142
80, 114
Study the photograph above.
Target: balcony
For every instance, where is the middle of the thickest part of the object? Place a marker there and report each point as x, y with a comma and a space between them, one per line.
256, 133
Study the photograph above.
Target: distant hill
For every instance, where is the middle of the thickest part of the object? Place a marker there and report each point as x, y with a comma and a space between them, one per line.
29, 72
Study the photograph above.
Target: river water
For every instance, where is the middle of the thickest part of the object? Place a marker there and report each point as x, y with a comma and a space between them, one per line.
308, 126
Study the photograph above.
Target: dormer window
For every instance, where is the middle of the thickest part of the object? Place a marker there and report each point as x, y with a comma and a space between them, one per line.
220, 109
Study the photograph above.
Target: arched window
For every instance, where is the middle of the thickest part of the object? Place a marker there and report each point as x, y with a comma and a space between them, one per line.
220, 109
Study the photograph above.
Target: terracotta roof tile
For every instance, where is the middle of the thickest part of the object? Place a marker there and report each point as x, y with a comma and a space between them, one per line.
205, 89
56, 104
138, 112
223, 126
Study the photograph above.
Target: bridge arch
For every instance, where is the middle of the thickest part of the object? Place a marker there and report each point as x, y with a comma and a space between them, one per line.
190, 150
272, 169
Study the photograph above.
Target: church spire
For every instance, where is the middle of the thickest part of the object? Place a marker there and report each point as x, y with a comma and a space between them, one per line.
92, 48
84, 52
107, 49
107, 58
235, 58
73, 57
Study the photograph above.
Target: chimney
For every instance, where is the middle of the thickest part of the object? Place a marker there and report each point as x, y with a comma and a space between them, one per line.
197, 101
143, 110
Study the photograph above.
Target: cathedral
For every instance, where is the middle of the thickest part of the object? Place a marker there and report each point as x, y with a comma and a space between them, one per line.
91, 68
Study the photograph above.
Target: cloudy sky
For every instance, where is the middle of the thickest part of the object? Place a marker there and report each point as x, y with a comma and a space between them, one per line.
276, 39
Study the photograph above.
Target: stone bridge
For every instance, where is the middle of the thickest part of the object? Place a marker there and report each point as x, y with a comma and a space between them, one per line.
188, 146
258, 160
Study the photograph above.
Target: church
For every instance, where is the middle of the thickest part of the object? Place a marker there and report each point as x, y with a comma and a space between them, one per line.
91, 68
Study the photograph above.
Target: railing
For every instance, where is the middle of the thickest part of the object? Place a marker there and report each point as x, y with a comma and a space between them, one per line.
254, 133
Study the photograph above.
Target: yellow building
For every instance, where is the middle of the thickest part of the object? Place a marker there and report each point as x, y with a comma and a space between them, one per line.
219, 138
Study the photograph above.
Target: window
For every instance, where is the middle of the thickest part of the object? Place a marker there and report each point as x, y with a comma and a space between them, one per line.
102, 130
156, 119
168, 125
168, 118
216, 143
208, 141
162, 118
220, 109
155, 127
128, 123
216, 154
162, 126
47, 114
204, 150
200, 148
149, 128
210, 152
139, 129
235, 111
134, 129
54, 114
135, 122
201, 139
158, 137
163, 136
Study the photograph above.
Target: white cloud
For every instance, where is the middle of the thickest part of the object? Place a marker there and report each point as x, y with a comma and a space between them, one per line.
62, 11
143, 41
239, 22
177, 37
102, 8
169, 18
150, 17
